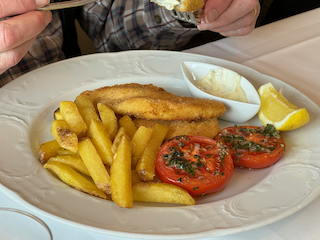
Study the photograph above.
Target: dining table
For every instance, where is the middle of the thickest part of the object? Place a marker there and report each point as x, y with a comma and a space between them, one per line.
289, 50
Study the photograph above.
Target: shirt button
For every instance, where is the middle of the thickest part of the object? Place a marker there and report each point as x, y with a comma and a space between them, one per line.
157, 18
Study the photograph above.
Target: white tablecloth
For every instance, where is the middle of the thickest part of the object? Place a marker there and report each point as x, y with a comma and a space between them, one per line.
288, 50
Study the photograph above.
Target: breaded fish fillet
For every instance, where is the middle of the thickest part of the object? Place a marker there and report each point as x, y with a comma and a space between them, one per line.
151, 102
205, 128
124, 91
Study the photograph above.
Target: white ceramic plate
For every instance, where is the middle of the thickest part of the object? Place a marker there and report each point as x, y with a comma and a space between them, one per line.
250, 200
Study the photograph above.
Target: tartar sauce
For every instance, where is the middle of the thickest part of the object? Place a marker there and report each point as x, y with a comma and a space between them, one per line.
223, 83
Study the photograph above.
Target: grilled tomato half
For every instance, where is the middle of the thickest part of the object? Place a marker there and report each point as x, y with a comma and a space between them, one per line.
200, 165
251, 146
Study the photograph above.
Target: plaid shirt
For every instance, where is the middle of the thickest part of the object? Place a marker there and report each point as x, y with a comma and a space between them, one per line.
113, 26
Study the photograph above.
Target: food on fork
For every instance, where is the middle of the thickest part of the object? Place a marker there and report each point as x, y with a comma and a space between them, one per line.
180, 5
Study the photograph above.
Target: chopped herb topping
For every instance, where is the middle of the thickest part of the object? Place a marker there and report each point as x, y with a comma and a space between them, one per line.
267, 131
241, 142
191, 158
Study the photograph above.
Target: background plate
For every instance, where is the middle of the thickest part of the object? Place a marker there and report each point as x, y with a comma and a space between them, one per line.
250, 200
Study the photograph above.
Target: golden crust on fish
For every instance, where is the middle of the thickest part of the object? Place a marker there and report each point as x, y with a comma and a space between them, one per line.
151, 102
205, 128
124, 91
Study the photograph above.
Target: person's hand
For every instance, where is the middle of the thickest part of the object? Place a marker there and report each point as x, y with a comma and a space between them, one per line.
19, 32
230, 17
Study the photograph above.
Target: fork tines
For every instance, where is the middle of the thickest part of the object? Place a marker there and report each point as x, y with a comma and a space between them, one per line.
190, 17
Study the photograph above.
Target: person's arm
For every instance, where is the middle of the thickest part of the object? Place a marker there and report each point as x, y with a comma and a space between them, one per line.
230, 17
18, 33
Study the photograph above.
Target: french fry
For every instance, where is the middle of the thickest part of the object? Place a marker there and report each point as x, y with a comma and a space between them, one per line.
135, 178
128, 125
48, 150
139, 143
146, 164
86, 109
72, 160
161, 193
100, 139
121, 132
94, 164
64, 135
62, 151
57, 115
69, 176
120, 172
72, 116
109, 119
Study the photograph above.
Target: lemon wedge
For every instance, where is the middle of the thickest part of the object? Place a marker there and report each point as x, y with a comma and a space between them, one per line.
277, 110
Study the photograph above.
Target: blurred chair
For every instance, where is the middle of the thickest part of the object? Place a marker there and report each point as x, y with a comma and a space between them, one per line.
84, 42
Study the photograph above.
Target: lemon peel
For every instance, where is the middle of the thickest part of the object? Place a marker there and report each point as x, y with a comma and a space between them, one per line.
278, 111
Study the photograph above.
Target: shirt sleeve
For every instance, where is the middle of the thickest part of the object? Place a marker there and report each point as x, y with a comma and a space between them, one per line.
47, 48
135, 24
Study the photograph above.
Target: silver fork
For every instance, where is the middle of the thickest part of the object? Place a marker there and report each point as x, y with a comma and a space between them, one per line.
66, 4
189, 17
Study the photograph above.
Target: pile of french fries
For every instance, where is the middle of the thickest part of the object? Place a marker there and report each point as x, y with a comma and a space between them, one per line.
99, 154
